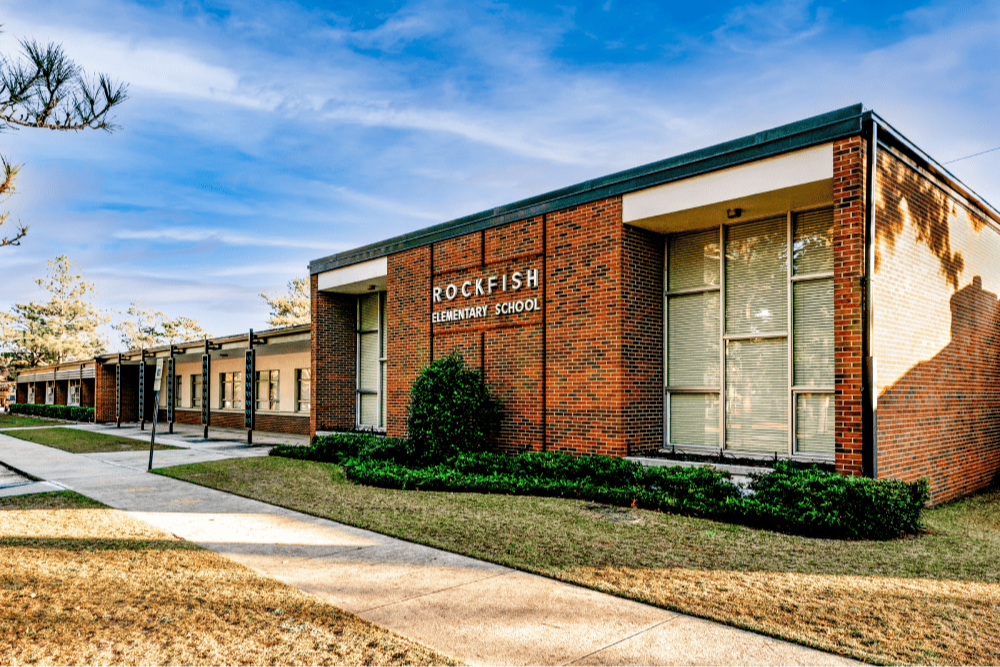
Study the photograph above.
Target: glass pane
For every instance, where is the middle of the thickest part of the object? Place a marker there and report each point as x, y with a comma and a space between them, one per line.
813, 242
757, 396
368, 372
384, 401
694, 419
368, 315
813, 337
382, 328
693, 260
693, 340
756, 277
814, 422
369, 409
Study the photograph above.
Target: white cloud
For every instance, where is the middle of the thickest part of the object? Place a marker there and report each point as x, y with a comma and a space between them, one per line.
191, 235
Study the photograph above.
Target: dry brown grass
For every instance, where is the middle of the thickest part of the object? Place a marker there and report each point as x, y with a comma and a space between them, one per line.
876, 619
927, 599
84, 584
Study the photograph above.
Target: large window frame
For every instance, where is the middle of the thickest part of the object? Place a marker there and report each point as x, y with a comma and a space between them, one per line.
379, 391
268, 383
303, 389
231, 390
793, 390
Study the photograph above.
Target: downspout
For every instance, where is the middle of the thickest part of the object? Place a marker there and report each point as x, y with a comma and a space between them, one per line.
869, 453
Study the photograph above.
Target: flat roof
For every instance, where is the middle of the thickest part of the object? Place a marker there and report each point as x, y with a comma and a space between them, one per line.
824, 128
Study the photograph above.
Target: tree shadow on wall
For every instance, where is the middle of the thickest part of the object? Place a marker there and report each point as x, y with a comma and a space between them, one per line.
905, 191
941, 419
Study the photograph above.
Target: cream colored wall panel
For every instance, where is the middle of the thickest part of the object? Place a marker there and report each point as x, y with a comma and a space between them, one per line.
784, 171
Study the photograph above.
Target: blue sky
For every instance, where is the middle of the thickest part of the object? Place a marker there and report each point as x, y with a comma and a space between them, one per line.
259, 136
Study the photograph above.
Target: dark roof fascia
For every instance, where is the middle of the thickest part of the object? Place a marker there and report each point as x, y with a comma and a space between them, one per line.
893, 137
769, 143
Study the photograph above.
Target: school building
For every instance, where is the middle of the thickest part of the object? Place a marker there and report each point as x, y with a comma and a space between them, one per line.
254, 381
822, 291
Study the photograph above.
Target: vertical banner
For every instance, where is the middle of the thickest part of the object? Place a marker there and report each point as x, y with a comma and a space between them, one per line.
142, 391
171, 390
205, 368
249, 406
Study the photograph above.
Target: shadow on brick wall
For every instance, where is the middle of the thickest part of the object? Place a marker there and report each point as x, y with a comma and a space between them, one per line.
906, 191
941, 420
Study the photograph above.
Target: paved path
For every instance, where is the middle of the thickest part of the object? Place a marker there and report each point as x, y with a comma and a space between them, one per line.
478, 612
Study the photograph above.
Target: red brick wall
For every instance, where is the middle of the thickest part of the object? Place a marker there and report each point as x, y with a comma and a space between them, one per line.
584, 329
848, 268
266, 423
333, 352
642, 340
408, 330
937, 334
87, 392
62, 392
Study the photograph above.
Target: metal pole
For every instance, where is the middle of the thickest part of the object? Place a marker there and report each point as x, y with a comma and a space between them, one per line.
250, 389
142, 389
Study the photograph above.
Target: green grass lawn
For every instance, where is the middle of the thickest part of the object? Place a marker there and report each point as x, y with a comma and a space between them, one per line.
17, 421
933, 598
77, 441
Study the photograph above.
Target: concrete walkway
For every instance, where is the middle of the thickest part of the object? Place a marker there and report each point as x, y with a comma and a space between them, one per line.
478, 612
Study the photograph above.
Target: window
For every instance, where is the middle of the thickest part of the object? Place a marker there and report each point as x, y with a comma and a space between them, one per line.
73, 394
267, 390
749, 349
195, 401
31, 393
178, 388
50, 393
371, 361
231, 390
302, 389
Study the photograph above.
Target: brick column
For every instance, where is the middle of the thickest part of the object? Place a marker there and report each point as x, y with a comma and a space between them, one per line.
848, 269
408, 330
333, 356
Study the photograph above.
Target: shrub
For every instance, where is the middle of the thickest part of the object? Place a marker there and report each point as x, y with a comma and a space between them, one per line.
337, 447
68, 412
451, 411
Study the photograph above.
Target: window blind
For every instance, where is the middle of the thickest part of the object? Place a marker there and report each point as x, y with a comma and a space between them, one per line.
813, 242
814, 423
756, 277
693, 260
813, 338
694, 419
757, 395
368, 371
368, 316
693, 340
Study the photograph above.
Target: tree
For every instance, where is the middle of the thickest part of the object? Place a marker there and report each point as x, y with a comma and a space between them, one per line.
148, 328
45, 89
292, 308
62, 329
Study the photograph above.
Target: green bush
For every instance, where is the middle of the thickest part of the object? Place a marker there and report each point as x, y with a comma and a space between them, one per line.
337, 447
805, 501
451, 411
68, 412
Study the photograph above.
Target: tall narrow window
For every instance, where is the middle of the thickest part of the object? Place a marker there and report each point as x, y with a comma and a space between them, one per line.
195, 401
231, 390
267, 390
813, 354
371, 361
693, 320
757, 336
302, 391
73, 395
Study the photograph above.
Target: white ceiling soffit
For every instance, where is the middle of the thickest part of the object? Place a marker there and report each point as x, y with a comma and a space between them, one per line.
355, 279
765, 187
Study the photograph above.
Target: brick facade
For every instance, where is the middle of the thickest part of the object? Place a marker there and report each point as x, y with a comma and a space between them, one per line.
937, 334
333, 360
408, 316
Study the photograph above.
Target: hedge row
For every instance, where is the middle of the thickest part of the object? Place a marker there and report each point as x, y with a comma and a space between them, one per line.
806, 501
69, 412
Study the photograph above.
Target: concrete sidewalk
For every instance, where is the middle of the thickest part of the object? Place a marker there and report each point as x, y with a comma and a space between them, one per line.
477, 612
